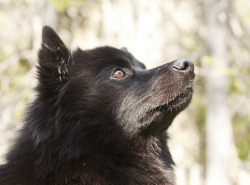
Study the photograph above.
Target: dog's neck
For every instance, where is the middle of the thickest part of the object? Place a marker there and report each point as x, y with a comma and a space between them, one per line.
149, 162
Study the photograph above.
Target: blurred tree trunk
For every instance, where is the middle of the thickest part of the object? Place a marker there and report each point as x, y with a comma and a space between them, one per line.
219, 133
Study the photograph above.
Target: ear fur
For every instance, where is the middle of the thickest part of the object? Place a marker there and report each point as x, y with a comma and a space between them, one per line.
53, 57
124, 49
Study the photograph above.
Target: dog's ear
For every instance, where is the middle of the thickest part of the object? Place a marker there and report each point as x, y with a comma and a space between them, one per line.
124, 49
54, 58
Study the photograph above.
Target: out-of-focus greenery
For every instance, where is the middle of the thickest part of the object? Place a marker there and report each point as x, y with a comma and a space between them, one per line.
241, 131
63, 5
155, 32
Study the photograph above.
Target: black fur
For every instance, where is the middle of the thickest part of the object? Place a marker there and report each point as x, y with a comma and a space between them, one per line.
88, 127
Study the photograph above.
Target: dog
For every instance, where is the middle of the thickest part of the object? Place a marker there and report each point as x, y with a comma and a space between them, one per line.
99, 118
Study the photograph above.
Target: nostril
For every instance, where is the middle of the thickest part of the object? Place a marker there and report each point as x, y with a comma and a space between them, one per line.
183, 65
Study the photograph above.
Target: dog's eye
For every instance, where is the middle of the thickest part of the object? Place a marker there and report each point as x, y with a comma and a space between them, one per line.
118, 74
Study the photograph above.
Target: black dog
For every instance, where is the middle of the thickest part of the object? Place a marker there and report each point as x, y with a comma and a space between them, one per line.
99, 118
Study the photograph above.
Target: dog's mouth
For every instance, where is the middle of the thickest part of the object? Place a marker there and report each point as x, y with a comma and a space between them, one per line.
159, 118
177, 103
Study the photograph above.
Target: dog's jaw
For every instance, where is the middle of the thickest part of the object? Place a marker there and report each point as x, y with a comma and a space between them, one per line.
159, 118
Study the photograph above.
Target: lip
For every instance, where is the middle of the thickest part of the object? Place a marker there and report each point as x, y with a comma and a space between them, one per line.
177, 103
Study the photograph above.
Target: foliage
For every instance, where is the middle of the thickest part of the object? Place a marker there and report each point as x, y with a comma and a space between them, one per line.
155, 32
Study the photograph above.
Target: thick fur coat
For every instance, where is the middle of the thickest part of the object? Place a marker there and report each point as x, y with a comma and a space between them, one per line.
99, 118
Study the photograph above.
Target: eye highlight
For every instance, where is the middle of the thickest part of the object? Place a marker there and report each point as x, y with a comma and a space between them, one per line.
118, 74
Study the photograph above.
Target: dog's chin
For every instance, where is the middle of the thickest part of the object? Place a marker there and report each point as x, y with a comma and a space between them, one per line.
158, 119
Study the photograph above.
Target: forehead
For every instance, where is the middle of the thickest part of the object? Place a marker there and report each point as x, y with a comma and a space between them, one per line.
108, 56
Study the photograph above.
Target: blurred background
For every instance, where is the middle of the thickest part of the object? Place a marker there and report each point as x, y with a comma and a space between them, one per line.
210, 141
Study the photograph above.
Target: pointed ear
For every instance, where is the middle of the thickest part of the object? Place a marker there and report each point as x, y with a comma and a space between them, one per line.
124, 49
54, 58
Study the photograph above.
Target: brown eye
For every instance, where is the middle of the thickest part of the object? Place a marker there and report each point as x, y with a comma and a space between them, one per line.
119, 74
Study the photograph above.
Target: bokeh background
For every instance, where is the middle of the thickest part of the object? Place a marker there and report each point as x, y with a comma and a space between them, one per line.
210, 141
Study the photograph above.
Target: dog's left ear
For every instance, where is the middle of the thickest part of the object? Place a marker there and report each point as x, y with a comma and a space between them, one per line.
54, 58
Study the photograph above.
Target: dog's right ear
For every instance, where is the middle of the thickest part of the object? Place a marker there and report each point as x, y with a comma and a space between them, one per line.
54, 58
124, 49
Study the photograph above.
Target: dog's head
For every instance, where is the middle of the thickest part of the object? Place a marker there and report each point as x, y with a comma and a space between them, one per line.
106, 86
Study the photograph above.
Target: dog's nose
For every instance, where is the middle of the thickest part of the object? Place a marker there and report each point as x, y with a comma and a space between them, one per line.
183, 65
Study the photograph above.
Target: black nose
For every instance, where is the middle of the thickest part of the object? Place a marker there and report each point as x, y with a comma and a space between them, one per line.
183, 65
